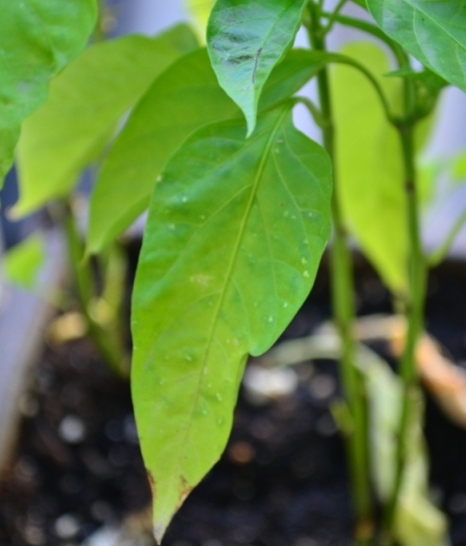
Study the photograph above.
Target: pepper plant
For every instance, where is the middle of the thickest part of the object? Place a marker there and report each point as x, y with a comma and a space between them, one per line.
241, 205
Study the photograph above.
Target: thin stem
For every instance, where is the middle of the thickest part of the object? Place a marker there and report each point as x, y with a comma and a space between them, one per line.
333, 17
369, 28
342, 59
99, 34
414, 314
114, 269
439, 254
313, 110
106, 342
344, 313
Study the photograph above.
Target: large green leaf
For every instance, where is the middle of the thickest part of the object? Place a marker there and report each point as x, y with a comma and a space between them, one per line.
235, 233
183, 99
369, 165
37, 39
433, 31
84, 105
246, 39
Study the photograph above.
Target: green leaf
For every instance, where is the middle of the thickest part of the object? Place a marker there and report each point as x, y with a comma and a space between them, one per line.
22, 264
235, 233
369, 164
37, 39
183, 99
433, 31
246, 39
180, 101
82, 111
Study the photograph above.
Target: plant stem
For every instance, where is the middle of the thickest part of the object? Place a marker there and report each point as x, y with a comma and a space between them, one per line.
106, 342
343, 59
332, 17
344, 313
369, 28
414, 310
439, 253
313, 110
99, 32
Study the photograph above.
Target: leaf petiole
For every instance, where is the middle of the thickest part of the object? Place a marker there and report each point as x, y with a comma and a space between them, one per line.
440, 253
400, 56
313, 109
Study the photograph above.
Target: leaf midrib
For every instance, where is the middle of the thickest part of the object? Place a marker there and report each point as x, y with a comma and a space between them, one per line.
228, 276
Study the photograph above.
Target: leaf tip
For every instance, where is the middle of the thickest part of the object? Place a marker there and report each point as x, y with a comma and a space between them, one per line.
159, 532
163, 514
251, 124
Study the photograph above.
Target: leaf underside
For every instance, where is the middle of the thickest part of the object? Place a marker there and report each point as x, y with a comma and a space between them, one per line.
433, 31
37, 39
230, 252
245, 41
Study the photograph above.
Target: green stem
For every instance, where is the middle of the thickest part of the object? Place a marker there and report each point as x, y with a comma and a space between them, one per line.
99, 34
106, 342
400, 56
313, 110
332, 17
344, 313
439, 254
342, 59
414, 314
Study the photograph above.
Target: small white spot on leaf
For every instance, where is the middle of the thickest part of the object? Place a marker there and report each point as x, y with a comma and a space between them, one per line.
201, 279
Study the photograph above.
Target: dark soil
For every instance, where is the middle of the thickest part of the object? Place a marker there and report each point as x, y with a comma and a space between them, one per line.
281, 482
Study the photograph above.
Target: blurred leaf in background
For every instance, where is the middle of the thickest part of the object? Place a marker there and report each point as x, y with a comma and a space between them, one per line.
37, 39
85, 104
23, 262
